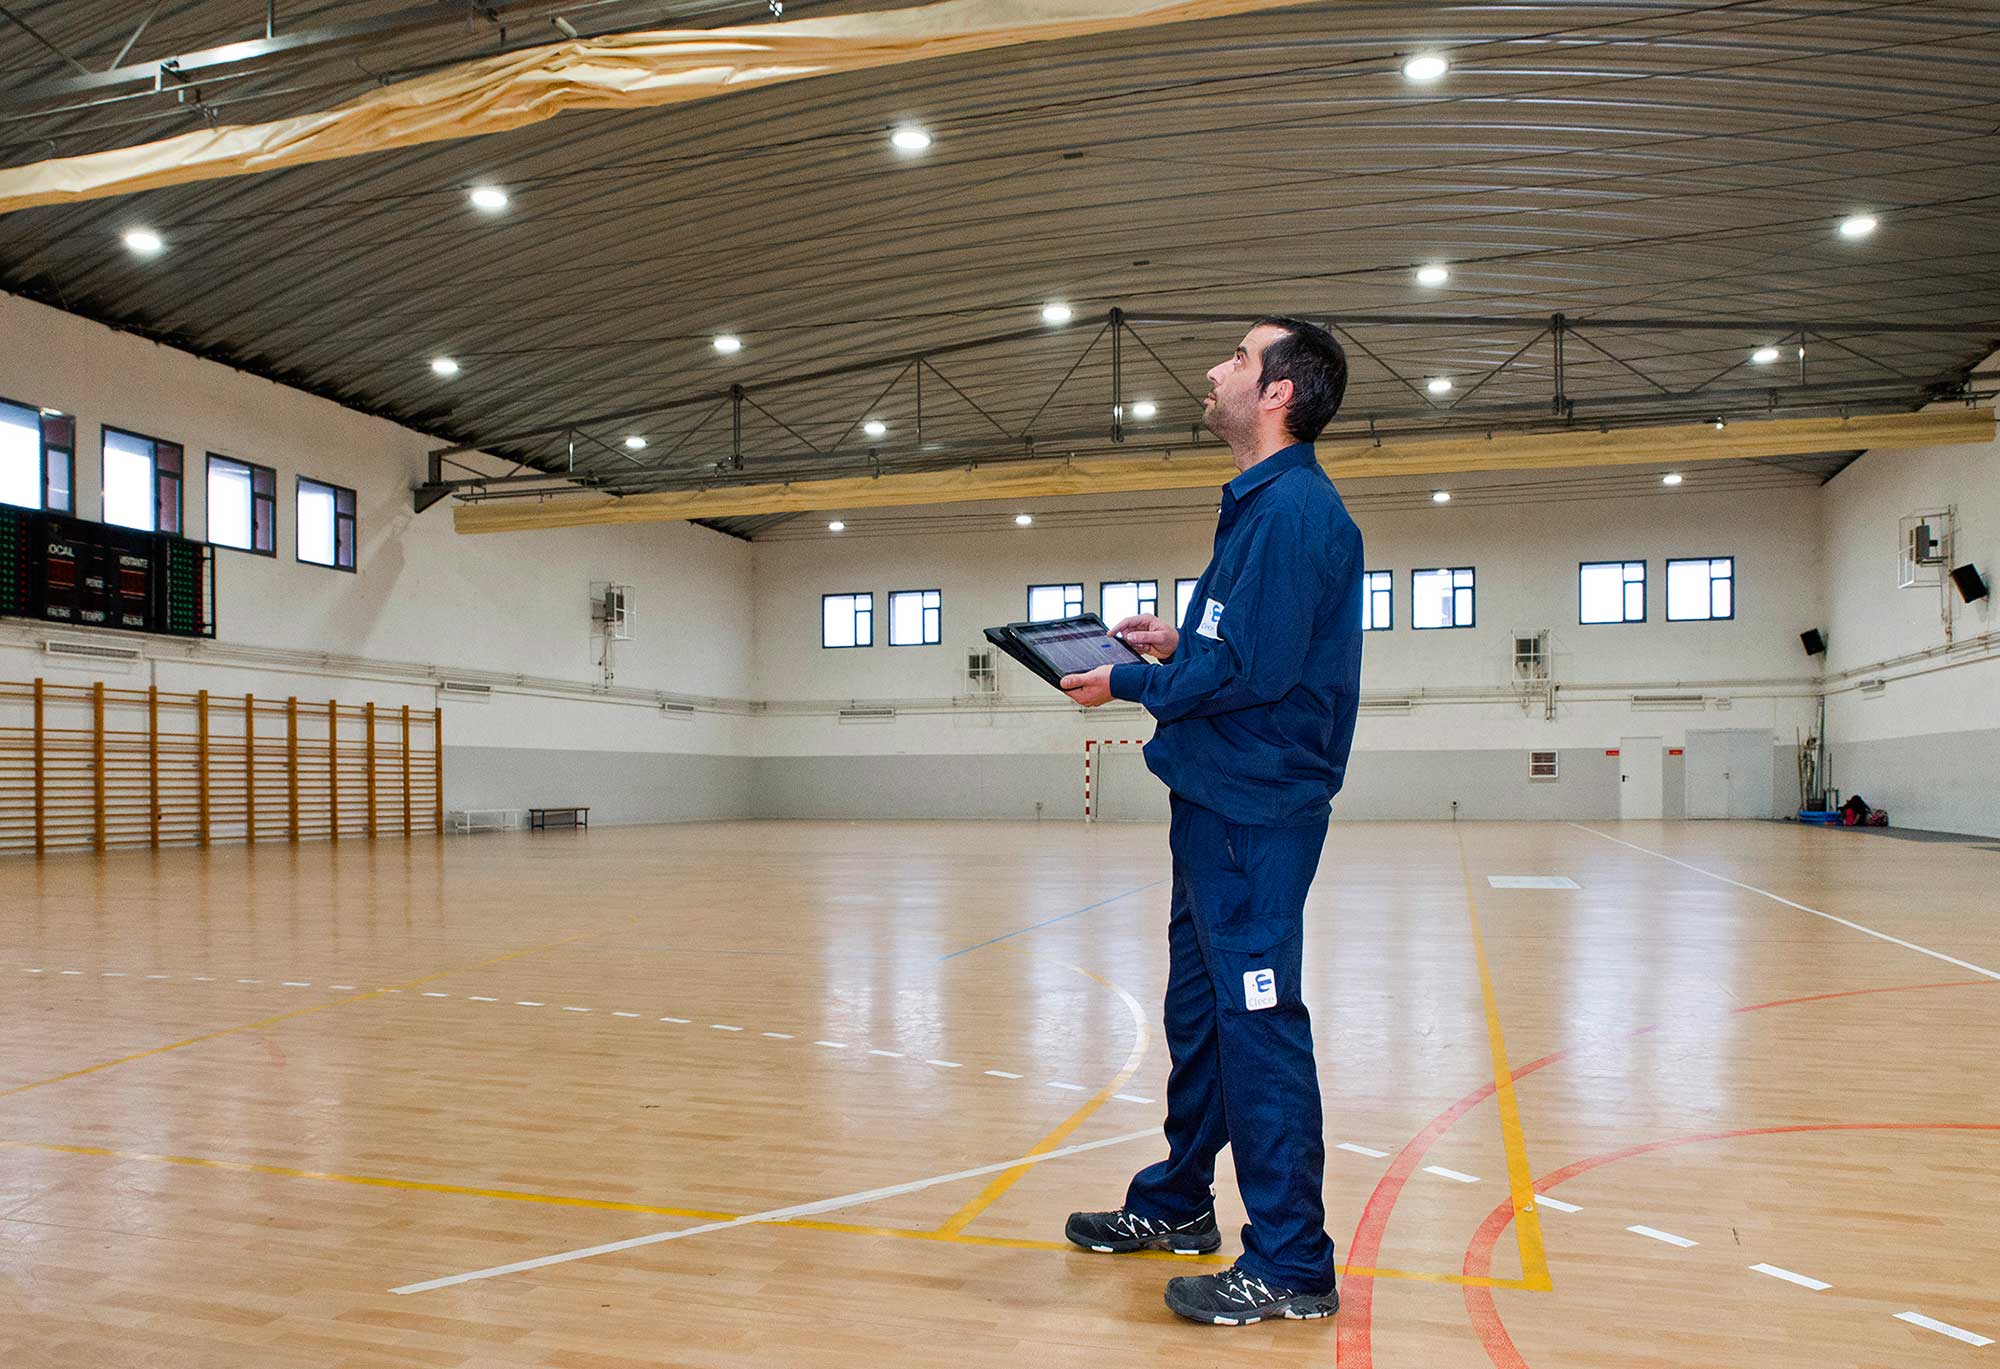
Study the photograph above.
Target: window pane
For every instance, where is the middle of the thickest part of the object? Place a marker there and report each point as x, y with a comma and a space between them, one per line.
864, 620
1687, 590
343, 539
1724, 602
316, 524
1603, 593
1183, 596
128, 481
61, 484
906, 618
1635, 602
1430, 598
1046, 603
1462, 602
264, 515
837, 620
1121, 600
229, 504
20, 456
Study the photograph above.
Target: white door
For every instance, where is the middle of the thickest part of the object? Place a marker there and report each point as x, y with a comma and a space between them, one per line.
1729, 773
1640, 785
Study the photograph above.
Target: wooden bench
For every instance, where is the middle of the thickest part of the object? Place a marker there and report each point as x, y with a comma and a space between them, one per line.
538, 818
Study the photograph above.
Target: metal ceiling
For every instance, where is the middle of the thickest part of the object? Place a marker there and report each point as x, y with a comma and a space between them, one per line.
1667, 177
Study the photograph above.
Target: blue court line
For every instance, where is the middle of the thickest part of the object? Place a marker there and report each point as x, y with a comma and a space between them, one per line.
1051, 921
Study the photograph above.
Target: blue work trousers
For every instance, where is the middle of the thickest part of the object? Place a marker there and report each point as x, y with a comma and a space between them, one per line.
1240, 1040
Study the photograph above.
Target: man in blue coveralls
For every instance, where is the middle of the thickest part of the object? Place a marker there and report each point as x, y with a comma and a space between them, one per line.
1255, 695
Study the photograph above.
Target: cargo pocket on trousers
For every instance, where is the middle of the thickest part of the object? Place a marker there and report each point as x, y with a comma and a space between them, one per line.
1255, 964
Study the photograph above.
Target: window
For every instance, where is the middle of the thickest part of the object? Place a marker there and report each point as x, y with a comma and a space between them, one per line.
916, 617
1611, 592
326, 524
1700, 589
1441, 598
1046, 603
1378, 601
846, 620
1118, 599
242, 505
142, 482
35, 457
1541, 765
1183, 596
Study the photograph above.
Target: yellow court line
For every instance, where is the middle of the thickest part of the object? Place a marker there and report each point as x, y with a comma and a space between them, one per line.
296, 1012
1005, 1180
1520, 1178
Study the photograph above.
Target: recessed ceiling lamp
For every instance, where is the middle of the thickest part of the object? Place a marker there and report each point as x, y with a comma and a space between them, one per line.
875, 427
1432, 275
489, 198
1440, 496
910, 138
728, 345
635, 443
51, 413
143, 241
836, 526
1056, 313
1764, 356
1024, 520
1425, 68
444, 366
1858, 226
1144, 408
1439, 386
1674, 477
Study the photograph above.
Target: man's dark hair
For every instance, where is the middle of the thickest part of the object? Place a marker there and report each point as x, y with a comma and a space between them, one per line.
1309, 357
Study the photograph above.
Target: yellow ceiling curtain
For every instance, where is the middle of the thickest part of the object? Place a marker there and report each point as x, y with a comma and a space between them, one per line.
617, 71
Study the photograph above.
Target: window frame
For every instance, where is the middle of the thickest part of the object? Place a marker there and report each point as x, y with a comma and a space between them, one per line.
857, 644
1065, 586
1180, 610
930, 618
160, 480
1369, 591
352, 516
1711, 616
251, 468
1645, 591
1139, 597
1454, 572
44, 421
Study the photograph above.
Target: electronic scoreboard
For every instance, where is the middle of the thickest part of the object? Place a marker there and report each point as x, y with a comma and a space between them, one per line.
67, 570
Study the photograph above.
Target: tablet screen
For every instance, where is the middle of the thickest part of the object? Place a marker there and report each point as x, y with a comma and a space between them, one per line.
1075, 645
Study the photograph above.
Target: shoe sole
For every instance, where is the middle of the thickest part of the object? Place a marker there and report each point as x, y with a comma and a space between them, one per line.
1294, 1309
1169, 1244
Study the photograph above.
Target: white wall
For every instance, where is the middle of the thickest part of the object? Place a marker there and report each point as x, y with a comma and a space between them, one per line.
1927, 745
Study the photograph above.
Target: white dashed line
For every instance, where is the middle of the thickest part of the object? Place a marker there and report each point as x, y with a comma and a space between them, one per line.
296, 984
779, 1036
568, 1008
723, 1027
1131, 1098
1363, 1150
432, 993
240, 981
1002, 1074
832, 1045
1653, 1233
1451, 1174
524, 1003
945, 1064
34, 972
1544, 1200
681, 1020
1073, 1088
475, 997
80, 972
624, 1014
1789, 1277
1944, 1328
159, 976
206, 979
111, 974
892, 1055
349, 988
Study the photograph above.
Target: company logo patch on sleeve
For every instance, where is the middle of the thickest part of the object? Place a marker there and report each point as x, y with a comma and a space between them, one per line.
1260, 989
1211, 622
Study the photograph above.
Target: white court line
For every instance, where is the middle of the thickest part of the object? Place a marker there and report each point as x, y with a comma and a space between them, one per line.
433, 993
779, 1036
349, 988
1544, 1200
1073, 1088
1451, 1174
475, 997
1363, 1150
289, 983
240, 981
1133, 1098
1656, 1234
1944, 1328
832, 1045
566, 1008
777, 1214
159, 976
111, 974
1002, 1074
945, 1064
1789, 1277
616, 1013
524, 1003
1766, 893
682, 1020
893, 1055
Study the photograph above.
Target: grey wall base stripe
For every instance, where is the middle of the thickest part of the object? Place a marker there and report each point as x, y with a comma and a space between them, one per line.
619, 786
1942, 781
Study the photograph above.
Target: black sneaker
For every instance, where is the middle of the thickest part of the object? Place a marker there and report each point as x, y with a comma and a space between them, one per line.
1122, 1232
1237, 1298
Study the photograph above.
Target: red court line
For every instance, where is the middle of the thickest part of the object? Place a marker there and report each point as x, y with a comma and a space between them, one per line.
1479, 1304
1355, 1341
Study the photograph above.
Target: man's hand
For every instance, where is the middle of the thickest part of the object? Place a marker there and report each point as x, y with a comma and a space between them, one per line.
1149, 636
1091, 688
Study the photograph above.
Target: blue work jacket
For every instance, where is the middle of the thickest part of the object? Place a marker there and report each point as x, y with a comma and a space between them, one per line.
1256, 707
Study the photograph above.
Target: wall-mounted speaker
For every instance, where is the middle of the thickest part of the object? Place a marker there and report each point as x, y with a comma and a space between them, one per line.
1970, 584
1813, 640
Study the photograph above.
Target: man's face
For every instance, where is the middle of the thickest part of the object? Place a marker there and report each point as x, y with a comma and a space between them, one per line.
1234, 397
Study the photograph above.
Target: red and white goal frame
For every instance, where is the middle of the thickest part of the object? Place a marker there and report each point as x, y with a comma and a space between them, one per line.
1090, 775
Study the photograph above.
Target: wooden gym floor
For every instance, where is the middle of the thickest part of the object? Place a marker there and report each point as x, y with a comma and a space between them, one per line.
268, 1107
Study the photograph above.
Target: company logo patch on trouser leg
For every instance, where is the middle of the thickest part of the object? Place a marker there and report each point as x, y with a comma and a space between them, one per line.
1260, 989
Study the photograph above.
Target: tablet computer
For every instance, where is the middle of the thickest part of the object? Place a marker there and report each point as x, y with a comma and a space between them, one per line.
1064, 646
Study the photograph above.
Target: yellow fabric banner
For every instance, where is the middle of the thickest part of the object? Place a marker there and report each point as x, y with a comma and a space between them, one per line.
618, 71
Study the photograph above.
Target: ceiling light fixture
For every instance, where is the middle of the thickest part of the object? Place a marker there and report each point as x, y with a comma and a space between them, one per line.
1439, 386
875, 427
1432, 275
1426, 68
1674, 477
635, 443
1858, 226
1056, 313
1144, 408
444, 366
492, 199
728, 345
910, 138
1023, 520
51, 413
144, 241
1764, 356
1440, 496
836, 526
